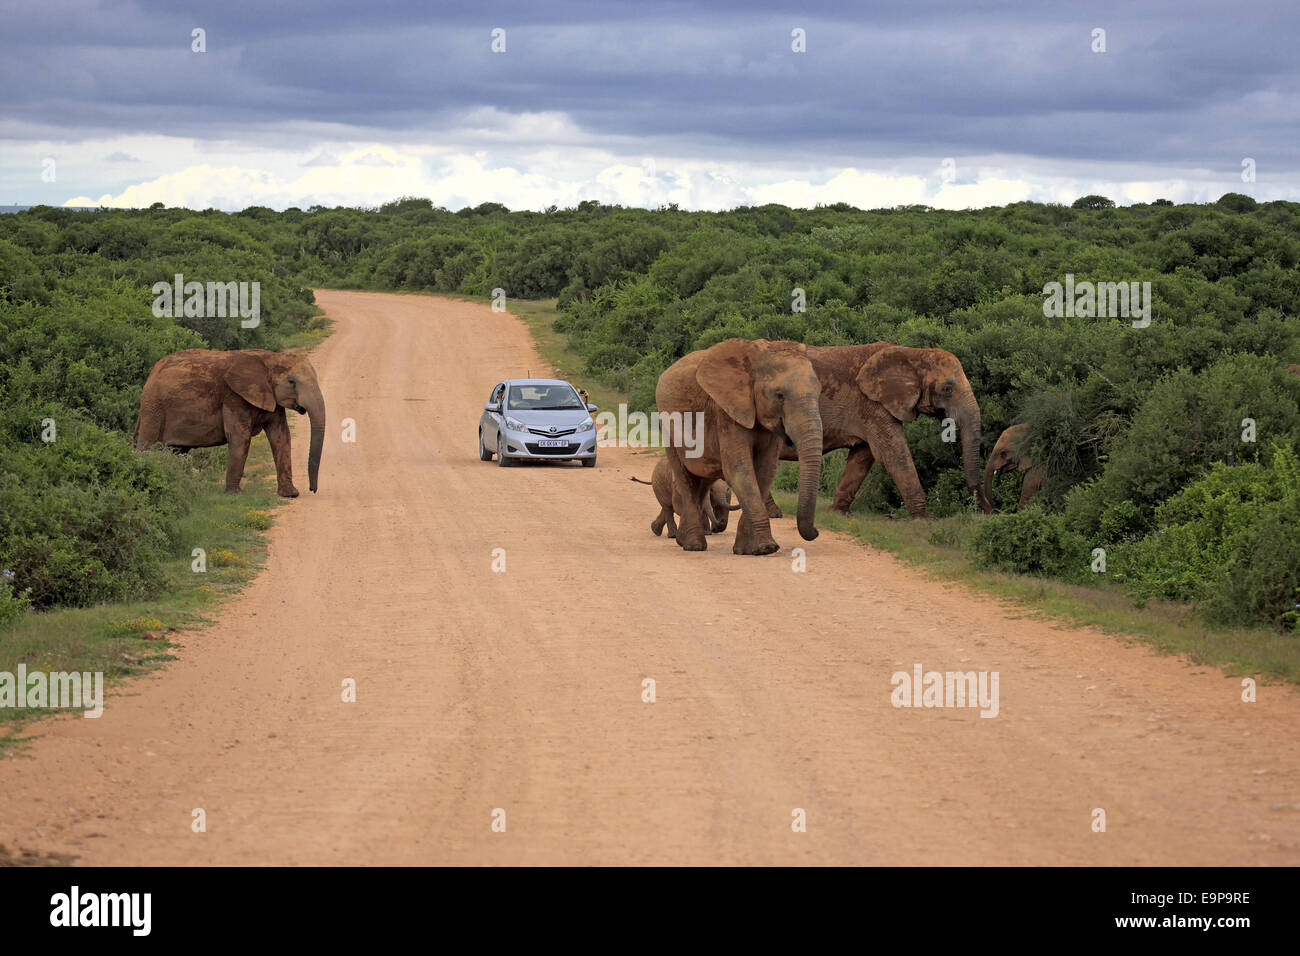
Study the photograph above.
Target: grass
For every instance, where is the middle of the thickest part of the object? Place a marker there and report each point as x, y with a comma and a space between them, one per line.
938, 549
110, 638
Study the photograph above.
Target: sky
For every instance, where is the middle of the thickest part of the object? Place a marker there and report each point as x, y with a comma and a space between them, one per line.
947, 103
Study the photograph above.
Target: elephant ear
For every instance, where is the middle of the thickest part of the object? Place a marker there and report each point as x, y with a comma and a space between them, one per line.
727, 374
888, 378
248, 378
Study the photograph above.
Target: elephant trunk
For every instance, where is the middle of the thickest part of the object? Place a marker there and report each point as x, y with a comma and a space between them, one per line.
315, 405
805, 428
968, 422
989, 471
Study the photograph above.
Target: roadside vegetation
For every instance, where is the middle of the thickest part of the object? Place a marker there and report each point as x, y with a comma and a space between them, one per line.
1171, 447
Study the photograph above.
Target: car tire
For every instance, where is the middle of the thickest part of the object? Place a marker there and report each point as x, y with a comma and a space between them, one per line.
483, 453
589, 462
502, 459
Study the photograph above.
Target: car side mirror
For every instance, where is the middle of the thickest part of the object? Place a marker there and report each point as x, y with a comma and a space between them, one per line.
592, 409
492, 407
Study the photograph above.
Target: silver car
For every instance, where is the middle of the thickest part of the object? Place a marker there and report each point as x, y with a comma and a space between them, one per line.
543, 419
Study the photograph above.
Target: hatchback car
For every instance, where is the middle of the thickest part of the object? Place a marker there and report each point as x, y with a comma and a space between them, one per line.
543, 419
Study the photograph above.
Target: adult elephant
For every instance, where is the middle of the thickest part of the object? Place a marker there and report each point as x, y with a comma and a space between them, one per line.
1009, 452
199, 398
752, 396
868, 392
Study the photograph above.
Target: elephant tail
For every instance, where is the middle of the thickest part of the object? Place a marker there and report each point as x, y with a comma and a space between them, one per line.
640, 482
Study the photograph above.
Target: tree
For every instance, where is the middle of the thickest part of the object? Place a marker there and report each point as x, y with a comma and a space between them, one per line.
1093, 202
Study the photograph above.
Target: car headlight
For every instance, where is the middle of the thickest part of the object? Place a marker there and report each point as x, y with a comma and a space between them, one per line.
586, 426
515, 426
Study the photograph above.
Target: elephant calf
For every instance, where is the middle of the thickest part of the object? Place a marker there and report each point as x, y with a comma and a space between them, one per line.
199, 398
715, 511
1007, 453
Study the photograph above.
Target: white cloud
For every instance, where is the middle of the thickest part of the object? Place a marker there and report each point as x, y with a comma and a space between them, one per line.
532, 161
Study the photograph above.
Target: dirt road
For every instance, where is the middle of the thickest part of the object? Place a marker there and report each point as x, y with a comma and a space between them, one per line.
522, 690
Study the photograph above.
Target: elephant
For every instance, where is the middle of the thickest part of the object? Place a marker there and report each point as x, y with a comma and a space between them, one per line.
199, 398
750, 396
715, 511
868, 392
1007, 454
1294, 370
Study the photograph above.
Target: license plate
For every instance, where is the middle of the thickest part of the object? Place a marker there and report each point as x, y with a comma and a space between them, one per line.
552, 443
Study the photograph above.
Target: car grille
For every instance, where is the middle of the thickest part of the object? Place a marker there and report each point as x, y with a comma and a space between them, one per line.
560, 433
548, 450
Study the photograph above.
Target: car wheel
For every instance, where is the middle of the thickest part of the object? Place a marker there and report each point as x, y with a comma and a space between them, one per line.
589, 462
483, 453
502, 459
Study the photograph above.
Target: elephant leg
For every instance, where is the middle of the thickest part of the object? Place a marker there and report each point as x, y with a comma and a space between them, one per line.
750, 477
277, 433
773, 509
672, 525
238, 437
1033, 484
897, 459
856, 467
149, 429
690, 534
665, 517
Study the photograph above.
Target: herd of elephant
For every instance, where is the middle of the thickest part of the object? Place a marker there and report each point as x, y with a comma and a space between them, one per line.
764, 401
760, 401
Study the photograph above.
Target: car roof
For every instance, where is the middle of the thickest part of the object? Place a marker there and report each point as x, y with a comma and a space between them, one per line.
536, 381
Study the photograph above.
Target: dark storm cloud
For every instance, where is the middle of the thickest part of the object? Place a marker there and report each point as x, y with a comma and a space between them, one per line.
1190, 84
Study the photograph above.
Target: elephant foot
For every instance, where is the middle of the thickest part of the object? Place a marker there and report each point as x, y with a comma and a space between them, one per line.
657, 527
693, 542
839, 509
233, 490
774, 510
922, 516
287, 491
762, 547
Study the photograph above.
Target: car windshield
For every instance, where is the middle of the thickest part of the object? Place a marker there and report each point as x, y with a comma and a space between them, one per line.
538, 398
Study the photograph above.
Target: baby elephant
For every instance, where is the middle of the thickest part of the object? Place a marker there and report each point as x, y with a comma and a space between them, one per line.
717, 505
1007, 453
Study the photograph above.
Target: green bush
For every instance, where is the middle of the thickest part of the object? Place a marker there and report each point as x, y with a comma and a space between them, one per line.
13, 602
1031, 542
1228, 541
1189, 421
85, 518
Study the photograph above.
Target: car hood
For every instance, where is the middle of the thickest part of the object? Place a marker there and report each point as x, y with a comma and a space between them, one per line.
570, 418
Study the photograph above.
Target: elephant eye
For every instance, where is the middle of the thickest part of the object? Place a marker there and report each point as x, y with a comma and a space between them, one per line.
780, 395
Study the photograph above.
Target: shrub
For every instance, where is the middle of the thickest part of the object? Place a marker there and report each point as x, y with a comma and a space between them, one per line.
1031, 542
1189, 421
1227, 540
13, 603
84, 519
